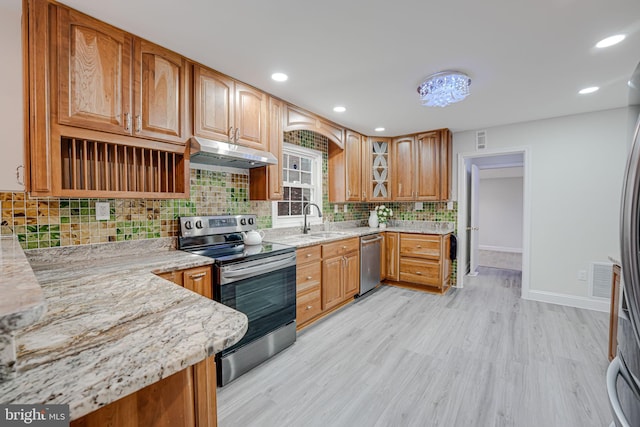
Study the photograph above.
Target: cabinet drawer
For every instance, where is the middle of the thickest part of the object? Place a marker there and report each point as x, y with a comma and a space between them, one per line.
308, 254
308, 306
420, 271
340, 247
308, 275
422, 246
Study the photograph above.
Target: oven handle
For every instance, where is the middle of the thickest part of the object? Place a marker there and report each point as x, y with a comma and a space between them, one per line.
244, 272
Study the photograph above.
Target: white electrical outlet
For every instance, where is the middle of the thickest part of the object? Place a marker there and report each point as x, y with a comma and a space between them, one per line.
102, 211
419, 206
335, 208
582, 275
345, 209
450, 206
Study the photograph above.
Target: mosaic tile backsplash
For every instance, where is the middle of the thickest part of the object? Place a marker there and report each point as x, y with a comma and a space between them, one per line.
49, 222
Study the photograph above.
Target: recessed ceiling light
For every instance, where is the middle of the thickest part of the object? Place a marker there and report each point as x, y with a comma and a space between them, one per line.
587, 90
379, 129
610, 41
279, 77
339, 109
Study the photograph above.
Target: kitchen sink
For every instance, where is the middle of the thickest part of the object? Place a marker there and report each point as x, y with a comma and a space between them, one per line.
324, 235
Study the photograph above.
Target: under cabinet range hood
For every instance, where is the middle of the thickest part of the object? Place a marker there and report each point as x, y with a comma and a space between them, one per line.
218, 153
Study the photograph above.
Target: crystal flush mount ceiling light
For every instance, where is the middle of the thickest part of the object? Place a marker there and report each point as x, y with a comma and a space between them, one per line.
444, 88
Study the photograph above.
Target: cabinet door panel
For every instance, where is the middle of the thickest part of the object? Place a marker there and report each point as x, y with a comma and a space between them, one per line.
353, 148
159, 81
392, 255
428, 172
376, 181
198, 280
352, 274
213, 103
93, 75
250, 117
403, 168
332, 282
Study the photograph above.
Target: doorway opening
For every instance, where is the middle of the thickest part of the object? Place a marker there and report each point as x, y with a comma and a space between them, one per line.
505, 242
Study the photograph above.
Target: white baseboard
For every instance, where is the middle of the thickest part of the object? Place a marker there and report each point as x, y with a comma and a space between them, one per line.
500, 249
587, 303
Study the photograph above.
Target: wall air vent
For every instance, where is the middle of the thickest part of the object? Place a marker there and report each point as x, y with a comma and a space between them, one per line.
600, 279
481, 140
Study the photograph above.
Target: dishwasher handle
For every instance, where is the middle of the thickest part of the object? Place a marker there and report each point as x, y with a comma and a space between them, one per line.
365, 241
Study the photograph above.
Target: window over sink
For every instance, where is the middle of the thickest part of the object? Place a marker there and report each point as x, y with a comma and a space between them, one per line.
302, 184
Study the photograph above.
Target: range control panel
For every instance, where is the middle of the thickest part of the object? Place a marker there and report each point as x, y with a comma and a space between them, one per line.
191, 226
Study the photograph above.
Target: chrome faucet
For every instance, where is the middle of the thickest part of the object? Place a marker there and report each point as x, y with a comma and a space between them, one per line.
305, 228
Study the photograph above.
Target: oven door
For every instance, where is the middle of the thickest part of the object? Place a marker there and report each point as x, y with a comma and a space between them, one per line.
263, 289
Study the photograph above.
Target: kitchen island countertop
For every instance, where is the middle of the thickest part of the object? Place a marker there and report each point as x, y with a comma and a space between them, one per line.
113, 327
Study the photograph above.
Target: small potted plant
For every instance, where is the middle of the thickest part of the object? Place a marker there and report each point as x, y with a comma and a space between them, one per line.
384, 215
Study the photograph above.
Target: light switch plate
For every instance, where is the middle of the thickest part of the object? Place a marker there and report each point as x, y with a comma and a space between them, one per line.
450, 206
102, 211
345, 209
335, 208
419, 206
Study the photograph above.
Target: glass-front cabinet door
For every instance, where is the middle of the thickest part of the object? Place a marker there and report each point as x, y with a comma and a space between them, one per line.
376, 177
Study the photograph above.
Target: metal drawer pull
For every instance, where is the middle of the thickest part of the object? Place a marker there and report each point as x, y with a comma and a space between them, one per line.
309, 277
344, 247
308, 255
199, 275
419, 273
138, 123
309, 307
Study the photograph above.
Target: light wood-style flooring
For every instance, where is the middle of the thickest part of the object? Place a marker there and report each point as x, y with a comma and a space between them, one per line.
479, 356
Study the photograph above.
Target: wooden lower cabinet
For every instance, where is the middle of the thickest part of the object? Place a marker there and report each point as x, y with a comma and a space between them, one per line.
308, 285
197, 279
419, 261
184, 399
391, 259
328, 276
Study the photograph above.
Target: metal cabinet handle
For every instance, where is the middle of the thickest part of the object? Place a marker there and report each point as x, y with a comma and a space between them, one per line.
419, 273
309, 277
309, 307
230, 133
198, 276
308, 255
419, 247
138, 123
18, 175
127, 121
237, 135
344, 247
614, 370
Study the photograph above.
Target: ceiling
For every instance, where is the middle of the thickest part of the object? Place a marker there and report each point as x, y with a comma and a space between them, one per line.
527, 59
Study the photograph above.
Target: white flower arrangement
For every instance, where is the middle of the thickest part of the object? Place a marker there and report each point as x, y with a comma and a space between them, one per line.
384, 214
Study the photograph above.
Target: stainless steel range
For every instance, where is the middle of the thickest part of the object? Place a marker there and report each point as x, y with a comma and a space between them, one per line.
258, 280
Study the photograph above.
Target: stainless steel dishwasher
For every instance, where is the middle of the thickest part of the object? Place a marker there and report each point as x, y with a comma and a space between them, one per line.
370, 246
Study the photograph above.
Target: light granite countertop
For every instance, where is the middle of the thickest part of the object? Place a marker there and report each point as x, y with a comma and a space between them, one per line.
113, 327
337, 231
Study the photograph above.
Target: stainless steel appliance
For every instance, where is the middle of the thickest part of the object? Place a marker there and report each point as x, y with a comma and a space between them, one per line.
370, 249
623, 374
258, 280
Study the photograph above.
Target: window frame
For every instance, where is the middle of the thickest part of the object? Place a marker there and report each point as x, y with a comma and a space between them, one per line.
316, 183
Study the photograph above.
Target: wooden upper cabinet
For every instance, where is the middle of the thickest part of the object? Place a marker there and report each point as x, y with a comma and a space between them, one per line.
376, 170
298, 119
160, 91
266, 182
214, 95
229, 111
404, 160
251, 117
427, 169
353, 166
421, 166
113, 82
93, 74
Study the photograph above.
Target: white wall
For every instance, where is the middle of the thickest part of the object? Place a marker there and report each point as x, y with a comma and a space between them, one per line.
11, 106
500, 213
576, 171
